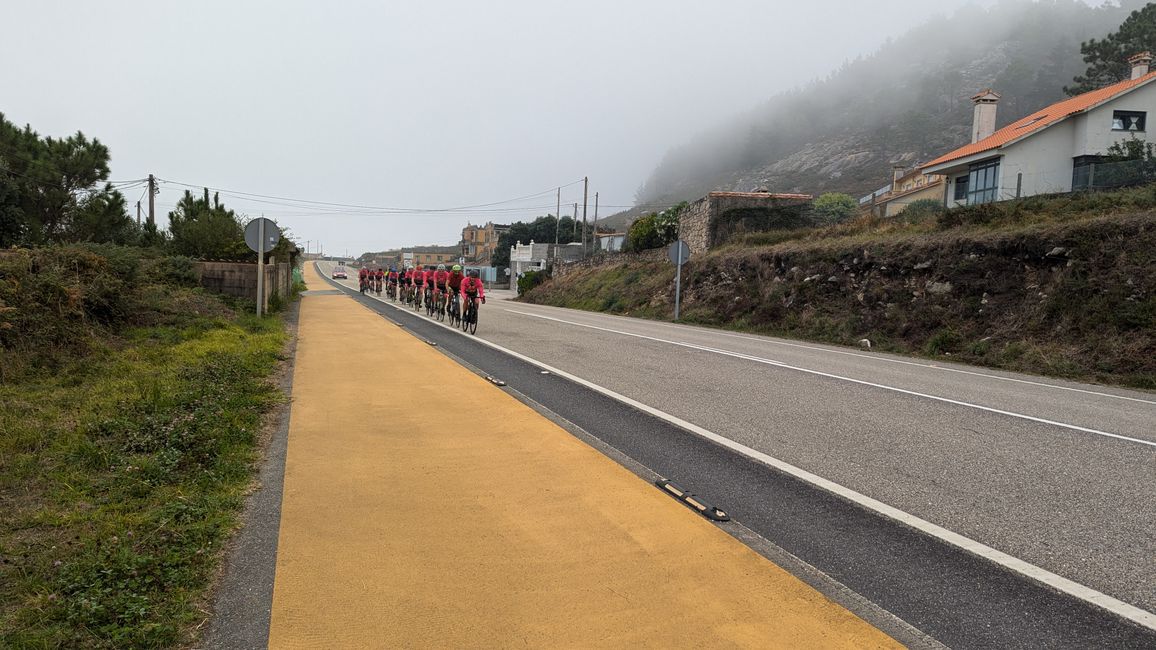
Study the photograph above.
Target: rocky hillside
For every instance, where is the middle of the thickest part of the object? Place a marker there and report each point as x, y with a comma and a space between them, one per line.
1022, 287
904, 104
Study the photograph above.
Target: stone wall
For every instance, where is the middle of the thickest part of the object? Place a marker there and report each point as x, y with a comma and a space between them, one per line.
696, 225
239, 279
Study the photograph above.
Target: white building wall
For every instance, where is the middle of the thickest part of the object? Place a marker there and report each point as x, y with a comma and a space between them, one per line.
1044, 159
1097, 128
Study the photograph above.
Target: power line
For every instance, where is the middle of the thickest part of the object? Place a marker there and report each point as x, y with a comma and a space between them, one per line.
294, 202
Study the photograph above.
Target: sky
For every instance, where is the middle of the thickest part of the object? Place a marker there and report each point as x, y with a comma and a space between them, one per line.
409, 109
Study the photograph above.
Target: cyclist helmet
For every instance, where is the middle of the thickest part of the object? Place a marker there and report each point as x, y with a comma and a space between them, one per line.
474, 273
393, 269
419, 267
457, 267
441, 267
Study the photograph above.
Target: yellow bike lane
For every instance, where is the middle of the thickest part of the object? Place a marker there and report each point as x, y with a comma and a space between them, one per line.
425, 507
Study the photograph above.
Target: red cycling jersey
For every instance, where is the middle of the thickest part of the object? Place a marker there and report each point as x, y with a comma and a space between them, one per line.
441, 277
455, 280
471, 286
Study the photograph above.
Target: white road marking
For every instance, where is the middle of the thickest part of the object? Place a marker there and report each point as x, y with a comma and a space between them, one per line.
873, 357
1081, 592
780, 364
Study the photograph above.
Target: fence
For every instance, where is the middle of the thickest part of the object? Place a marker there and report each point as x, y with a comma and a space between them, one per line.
1099, 175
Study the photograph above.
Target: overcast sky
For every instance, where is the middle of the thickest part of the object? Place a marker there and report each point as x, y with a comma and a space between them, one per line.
422, 104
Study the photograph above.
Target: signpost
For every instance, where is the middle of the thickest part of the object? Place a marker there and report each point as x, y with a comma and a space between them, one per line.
679, 254
261, 235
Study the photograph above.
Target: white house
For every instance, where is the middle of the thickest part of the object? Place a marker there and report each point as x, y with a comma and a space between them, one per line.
1055, 149
611, 242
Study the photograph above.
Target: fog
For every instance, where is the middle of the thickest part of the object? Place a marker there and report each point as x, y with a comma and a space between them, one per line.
420, 105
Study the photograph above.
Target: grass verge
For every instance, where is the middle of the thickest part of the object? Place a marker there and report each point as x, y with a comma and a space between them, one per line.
122, 472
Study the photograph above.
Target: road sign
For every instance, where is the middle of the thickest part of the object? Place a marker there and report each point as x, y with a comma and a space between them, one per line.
253, 234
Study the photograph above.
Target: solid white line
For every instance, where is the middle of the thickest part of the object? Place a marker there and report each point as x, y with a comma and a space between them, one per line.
1087, 594
873, 357
780, 364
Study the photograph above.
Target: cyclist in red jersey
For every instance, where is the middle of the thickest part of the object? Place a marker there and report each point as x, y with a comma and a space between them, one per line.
472, 287
440, 278
418, 279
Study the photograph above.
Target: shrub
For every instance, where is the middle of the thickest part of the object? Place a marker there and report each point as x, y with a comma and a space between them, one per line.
834, 207
922, 209
530, 280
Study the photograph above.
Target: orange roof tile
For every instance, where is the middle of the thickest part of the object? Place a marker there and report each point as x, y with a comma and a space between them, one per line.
1043, 118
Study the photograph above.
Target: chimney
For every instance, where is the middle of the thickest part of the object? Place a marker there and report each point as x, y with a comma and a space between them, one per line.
897, 172
983, 122
1140, 64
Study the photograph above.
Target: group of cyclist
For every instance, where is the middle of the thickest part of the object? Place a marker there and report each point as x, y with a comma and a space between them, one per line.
438, 288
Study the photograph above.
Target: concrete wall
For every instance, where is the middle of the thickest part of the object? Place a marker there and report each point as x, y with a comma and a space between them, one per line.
238, 279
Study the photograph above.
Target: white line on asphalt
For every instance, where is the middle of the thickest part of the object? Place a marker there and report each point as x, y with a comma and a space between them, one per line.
873, 357
1087, 594
780, 364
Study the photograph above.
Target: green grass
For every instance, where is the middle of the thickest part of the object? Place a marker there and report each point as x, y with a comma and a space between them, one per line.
121, 474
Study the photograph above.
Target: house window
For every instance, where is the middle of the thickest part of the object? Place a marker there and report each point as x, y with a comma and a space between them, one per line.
983, 182
1128, 120
961, 188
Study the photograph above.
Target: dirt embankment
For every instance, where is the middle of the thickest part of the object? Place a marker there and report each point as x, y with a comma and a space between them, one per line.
1072, 300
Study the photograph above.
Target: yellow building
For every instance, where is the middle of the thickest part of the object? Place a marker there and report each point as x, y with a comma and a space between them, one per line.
479, 242
906, 188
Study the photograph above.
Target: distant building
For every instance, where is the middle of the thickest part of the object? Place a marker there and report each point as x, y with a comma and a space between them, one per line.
907, 186
528, 257
430, 255
1056, 149
610, 242
479, 243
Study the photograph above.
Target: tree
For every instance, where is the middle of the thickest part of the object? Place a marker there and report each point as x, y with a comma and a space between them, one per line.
1107, 58
50, 189
202, 228
834, 207
541, 230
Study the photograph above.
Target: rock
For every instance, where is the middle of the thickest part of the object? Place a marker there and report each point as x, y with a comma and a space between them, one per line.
1058, 251
938, 287
812, 278
833, 279
923, 265
865, 343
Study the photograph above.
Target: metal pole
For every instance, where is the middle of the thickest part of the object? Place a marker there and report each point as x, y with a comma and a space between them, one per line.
557, 222
585, 196
594, 234
678, 279
260, 265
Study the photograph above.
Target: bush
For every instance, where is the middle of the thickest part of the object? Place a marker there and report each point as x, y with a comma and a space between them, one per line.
834, 207
922, 209
530, 280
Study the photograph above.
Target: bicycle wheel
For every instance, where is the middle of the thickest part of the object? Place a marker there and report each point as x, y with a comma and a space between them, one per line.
474, 321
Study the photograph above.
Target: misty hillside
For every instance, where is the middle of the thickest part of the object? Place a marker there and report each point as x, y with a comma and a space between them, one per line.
904, 104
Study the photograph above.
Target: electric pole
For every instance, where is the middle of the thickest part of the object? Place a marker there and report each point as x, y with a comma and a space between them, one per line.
594, 234
557, 222
138, 214
585, 195
152, 198
575, 220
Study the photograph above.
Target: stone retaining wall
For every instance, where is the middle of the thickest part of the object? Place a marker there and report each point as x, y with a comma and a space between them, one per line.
240, 279
562, 269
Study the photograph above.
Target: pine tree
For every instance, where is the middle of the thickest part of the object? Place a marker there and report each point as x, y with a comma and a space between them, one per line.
1107, 59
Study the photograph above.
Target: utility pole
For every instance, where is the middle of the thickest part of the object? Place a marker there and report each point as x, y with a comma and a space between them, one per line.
575, 220
138, 214
594, 234
585, 195
557, 222
152, 198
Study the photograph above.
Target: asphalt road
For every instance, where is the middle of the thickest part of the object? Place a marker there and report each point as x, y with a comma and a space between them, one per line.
1058, 474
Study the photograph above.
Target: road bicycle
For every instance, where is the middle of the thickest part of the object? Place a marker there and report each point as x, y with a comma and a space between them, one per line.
439, 304
454, 310
417, 294
391, 291
470, 316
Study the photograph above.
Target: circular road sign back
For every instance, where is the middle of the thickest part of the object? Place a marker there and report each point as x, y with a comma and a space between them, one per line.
672, 252
252, 235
